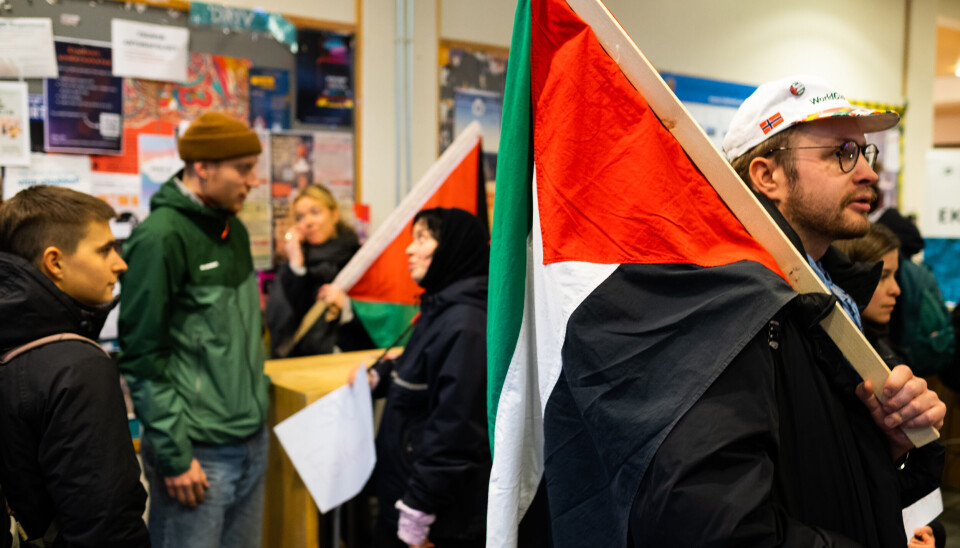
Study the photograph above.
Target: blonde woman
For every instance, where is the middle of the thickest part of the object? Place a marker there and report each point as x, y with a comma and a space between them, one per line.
317, 246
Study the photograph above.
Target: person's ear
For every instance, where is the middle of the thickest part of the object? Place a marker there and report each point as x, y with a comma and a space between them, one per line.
201, 169
51, 263
768, 178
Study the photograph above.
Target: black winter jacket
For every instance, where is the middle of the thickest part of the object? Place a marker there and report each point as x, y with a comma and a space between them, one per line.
291, 296
432, 448
65, 447
779, 451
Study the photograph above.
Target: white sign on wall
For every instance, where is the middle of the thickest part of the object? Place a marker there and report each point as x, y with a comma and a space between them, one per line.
154, 52
941, 215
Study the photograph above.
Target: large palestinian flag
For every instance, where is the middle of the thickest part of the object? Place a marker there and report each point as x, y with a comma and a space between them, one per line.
383, 295
621, 285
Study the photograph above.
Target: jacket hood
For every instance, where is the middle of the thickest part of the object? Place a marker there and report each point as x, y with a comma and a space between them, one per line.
32, 307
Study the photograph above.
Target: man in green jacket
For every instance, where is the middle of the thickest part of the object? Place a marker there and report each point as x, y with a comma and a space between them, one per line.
191, 346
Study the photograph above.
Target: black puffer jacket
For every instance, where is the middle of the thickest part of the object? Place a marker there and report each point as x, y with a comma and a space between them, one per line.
291, 296
65, 447
779, 451
432, 447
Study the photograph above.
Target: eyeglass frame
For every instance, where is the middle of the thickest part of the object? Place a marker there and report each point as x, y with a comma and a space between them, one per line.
861, 150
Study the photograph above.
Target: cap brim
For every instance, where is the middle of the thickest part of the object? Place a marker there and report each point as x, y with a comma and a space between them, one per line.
870, 120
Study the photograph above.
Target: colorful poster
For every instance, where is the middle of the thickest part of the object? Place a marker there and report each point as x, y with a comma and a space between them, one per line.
463, 69
325, 78
27, 46
123, 192
145, 50
85, 104
67, 170
270, 98
158, 160
257, 214
291, 169
14, 124
485, 107
215, 82
333, 160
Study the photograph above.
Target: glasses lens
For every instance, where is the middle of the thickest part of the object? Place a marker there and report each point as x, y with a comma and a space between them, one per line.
870, 153
849, 153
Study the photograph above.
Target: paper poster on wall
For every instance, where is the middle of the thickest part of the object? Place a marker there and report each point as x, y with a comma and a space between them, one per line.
145, 50
325, 78
26, 48
257, 215
940, 221
333, 160
66, 170
214, 82
270, 101
123, 192
712, 103
85, 104
14, 124
467, 69
159, 160
485, 107
291, 169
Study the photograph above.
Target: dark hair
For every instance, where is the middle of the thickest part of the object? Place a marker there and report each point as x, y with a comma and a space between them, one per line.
433, 218
41, 216
872, 246
784, 158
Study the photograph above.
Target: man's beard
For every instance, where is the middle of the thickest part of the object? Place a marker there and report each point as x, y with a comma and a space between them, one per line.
833, 223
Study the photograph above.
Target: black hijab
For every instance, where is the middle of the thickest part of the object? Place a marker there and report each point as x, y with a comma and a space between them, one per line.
463, 249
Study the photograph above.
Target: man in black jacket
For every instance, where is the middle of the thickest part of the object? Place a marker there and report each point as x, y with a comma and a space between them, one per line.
67, 465
787, 447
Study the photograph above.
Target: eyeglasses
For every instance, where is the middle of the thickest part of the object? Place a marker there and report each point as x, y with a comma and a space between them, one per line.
848, 153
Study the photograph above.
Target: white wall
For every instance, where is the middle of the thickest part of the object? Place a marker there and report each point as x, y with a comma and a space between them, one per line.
484, 22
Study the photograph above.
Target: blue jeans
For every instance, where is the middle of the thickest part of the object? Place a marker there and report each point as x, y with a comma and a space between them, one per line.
231, 514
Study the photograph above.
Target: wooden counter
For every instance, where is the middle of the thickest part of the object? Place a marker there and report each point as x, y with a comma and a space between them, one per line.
290, 516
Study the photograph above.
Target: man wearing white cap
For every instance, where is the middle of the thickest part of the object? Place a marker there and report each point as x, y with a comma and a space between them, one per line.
788, 447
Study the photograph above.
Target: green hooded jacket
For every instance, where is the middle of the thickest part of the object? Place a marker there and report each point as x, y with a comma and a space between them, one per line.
190, 329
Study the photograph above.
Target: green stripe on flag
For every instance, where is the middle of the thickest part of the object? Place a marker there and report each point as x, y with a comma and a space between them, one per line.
384, 322
512, 215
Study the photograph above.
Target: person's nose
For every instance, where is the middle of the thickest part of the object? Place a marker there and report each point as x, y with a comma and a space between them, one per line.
410, 248
121, 265
895, 288
863, 173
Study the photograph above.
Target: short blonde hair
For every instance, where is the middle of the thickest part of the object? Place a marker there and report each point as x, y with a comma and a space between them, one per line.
323, 195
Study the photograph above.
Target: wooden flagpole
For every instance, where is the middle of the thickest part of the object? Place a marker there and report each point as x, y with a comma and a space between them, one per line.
735, 193
371, 249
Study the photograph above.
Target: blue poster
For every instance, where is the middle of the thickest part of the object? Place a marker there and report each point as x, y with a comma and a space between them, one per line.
325, 78
85, 104
485, 107
942, 255
269, 98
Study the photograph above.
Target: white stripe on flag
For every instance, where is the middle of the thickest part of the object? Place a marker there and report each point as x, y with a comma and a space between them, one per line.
552, 293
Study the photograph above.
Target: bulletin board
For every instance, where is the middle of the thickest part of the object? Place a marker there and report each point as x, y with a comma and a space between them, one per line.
250, 74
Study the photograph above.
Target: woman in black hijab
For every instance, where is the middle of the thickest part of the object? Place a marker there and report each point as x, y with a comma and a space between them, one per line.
433, 455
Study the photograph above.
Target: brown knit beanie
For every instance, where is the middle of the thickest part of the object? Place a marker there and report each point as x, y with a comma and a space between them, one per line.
214, 136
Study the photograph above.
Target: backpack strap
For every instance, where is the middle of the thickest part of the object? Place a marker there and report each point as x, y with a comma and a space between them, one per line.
6, 358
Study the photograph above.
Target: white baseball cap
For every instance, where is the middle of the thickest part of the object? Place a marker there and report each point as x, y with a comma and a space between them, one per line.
778, 105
